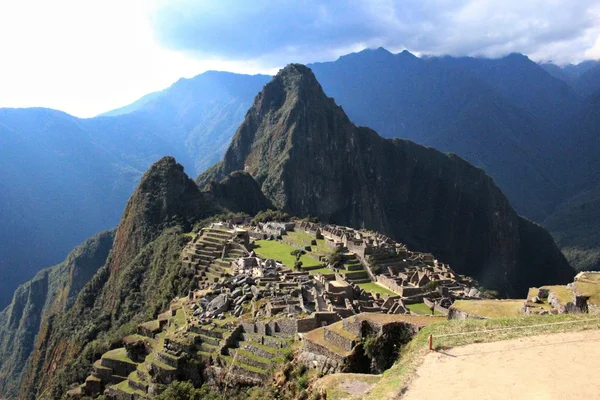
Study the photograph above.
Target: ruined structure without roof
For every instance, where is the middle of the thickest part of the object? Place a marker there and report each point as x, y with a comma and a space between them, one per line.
246, 309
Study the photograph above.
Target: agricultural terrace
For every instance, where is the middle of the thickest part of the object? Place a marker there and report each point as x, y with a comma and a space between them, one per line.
490, 308
282, 252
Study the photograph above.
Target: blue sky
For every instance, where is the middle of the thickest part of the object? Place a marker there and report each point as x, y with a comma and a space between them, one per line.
85, 56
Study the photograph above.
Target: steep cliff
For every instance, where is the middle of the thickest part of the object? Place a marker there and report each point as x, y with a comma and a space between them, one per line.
311, 160
238, 192
51, 291
142, 274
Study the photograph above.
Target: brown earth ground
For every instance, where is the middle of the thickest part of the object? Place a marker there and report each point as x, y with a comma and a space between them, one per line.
556, 366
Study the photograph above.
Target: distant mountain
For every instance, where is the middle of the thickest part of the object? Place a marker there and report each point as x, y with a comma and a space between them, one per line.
63, 178
583, 77
589, 82
200, 114
142, 274
576, 220
575, 227
311, 160
481, 110
525, 85
34, 303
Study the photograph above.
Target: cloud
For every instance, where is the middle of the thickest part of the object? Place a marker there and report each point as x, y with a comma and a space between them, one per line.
275, 33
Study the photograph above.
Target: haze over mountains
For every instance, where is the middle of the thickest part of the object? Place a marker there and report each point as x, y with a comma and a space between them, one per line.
532, 128
302, 154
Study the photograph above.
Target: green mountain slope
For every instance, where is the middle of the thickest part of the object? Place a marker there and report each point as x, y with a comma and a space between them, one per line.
62, 178
34, 304
141, 276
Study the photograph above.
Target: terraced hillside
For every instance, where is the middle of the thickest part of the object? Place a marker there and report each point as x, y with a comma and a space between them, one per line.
210, 254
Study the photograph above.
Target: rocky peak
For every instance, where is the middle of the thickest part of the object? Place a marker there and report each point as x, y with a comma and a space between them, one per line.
165, 197
238, 192
309, 159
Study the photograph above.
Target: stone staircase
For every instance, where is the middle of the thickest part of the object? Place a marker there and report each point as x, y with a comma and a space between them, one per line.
113, 368
253, 356
208, 340
205, 256
383, 261
354, 271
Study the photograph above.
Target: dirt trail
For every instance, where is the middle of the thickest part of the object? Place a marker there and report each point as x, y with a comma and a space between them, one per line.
558, 366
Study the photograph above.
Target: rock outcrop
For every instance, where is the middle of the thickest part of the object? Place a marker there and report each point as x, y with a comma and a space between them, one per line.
310, 159
238, 192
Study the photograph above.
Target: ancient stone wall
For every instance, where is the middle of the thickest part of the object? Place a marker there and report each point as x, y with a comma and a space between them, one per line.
353, 325
389, 283
232, 338
120, 368
339, 340
315, 348
307, 324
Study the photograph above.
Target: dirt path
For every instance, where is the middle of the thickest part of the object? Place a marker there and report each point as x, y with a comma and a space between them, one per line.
559, 366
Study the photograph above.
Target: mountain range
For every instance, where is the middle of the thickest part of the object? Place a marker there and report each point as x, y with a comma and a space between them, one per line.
297, 150
530, 127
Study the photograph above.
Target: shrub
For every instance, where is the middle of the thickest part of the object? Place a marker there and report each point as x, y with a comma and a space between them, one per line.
336, 259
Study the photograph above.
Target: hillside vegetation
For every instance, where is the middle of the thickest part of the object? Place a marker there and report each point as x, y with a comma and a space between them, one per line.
35, 303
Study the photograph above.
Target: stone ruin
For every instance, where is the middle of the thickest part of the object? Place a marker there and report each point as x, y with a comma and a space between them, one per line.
245, 310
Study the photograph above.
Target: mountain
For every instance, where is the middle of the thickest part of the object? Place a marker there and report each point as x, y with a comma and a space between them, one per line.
486, 111
525, 85
575, 227
295, 149
572, 73
589, 82
63, 178
575, 221
238, 193
140, 277
309, 159
200, 114
50, 292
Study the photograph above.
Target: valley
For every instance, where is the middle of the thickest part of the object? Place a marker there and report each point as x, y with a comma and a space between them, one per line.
314, 247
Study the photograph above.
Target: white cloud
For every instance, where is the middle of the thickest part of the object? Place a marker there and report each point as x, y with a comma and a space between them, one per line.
311, 30
85, 57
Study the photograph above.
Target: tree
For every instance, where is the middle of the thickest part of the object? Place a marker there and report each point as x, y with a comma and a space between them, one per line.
186, 391
298, 253
336, 259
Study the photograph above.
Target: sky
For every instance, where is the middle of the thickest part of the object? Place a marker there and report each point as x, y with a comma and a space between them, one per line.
86, 57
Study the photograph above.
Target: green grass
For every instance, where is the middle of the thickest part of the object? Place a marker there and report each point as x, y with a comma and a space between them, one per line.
490, 308
281, 252
249, 367
589, 288
373, 287
421, 309
305, 240
119, 354
124, 386
252, 356
394, 379
563, 293
323, 271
